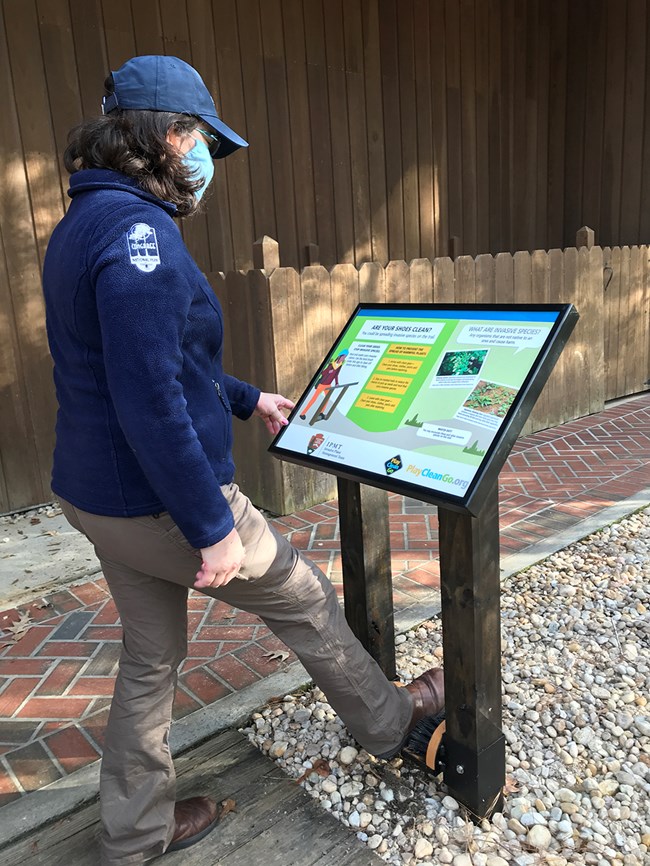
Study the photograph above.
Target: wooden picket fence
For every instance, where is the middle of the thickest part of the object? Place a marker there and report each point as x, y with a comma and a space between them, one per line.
280, 323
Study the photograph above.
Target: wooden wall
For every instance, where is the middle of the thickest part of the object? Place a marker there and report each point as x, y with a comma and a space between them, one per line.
379, 130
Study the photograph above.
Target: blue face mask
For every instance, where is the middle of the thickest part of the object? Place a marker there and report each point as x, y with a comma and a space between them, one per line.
201, 164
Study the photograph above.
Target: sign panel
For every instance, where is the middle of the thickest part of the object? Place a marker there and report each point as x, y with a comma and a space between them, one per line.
420, 398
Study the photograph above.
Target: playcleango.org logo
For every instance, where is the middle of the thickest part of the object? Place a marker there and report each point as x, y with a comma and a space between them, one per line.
393, 464
437, 476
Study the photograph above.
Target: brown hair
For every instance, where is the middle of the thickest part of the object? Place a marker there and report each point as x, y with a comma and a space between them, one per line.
134, 143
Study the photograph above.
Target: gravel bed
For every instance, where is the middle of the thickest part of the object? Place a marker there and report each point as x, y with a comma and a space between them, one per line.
576, 678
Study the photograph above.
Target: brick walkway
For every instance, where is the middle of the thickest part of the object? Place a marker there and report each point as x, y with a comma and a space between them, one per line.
56, 681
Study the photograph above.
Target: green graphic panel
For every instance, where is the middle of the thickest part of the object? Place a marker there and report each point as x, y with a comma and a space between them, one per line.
387, 396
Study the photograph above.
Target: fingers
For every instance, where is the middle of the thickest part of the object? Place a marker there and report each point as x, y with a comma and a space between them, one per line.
276, 423
207, 577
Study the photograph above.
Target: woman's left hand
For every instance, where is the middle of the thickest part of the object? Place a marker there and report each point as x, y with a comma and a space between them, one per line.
268, 408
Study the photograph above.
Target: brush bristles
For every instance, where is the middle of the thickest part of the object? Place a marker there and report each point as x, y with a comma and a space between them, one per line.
420, 736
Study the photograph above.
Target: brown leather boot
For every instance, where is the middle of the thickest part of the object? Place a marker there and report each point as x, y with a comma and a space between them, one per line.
428, 692
194, 819
428, 696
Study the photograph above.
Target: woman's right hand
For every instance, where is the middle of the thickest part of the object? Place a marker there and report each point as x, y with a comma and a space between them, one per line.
221, 561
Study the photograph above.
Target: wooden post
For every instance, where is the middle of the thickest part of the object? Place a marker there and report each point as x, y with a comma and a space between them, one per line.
454, 247
266, 254
367, 583
470, 590
585, 237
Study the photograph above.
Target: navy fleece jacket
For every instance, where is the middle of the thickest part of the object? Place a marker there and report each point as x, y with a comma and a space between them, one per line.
145, 409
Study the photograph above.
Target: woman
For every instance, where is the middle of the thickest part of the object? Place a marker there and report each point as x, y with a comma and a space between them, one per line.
326, 381
143, 463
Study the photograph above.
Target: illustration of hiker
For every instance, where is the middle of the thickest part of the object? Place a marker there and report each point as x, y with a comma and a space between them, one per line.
327, 380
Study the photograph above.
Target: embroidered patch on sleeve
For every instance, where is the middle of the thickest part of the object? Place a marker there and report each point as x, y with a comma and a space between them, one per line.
143, 247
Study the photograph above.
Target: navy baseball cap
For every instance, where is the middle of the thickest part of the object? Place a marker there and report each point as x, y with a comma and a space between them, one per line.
155, 82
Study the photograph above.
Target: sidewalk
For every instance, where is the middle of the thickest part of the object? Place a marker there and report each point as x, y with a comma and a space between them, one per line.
57, 679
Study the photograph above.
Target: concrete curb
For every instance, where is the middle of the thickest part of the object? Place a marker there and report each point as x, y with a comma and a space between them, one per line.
58, 799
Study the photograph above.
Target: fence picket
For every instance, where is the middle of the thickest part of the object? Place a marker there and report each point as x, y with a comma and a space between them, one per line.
397, 282
612, 287
523, 277
587, 326
556, 383
372, 283
317, 302
421, 281
443, 281
504, 278
523, 287
541, 292
569, 291
624, 324
344, 280
465, 280
485, 280
596, 336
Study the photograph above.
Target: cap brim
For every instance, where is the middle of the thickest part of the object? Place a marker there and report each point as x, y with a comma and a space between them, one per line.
230, 141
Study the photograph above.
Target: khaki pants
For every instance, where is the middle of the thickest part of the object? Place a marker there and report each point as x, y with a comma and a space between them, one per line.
149, 566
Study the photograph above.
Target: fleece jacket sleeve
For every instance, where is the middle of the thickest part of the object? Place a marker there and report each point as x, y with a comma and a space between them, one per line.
242, 397
142, 317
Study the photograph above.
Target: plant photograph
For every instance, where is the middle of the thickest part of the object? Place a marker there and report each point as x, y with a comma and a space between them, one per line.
491, 398
462, 363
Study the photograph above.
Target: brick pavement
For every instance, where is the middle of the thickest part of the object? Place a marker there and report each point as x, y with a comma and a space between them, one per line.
56, 682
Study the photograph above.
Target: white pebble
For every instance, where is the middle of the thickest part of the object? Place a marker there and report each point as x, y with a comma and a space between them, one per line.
278, 749
539, 837
449, 803
423, 848
347, 755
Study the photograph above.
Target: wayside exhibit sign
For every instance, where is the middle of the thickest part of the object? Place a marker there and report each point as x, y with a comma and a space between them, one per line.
426, 400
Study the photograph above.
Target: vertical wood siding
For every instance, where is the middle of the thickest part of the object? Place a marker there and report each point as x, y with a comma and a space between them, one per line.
379, 130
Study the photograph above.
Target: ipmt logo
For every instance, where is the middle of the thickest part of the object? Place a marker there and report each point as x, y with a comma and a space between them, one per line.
393, 464
315, 442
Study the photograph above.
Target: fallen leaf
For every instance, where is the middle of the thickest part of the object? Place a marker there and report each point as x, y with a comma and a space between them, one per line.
511, 786
276, 655
320, 766
228, 806
34, 521
20, 627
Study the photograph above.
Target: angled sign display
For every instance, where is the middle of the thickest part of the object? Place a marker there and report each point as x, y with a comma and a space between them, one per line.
426, 400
